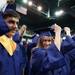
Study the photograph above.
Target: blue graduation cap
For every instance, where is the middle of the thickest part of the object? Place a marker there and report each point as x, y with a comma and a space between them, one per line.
45, 33
3, 27
11, 6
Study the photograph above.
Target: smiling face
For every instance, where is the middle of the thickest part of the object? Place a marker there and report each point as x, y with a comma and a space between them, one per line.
12, 24
11, 19
45, 41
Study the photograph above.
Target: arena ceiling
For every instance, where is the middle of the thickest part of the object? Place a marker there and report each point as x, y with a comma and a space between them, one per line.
36, 20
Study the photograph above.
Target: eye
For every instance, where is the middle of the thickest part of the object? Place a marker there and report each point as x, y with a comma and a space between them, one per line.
12, 22
46, 40
49, 40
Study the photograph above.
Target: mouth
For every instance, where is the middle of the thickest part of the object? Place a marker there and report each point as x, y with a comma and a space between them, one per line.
14, 31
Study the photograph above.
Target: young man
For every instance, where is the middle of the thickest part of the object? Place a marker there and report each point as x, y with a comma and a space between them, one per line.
10, 52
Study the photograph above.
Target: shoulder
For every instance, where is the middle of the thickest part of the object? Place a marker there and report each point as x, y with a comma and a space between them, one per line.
38, 52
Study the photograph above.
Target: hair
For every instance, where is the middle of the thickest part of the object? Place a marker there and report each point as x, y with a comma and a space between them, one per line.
10, 13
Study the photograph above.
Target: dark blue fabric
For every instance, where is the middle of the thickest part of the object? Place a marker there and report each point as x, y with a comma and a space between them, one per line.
45, 33
25, 64
17, 38
30, 46
11, 6
67, 45
24, 54
73, 37
49, 62
3, 27
68, 49
11, 65
71, 55
29, 50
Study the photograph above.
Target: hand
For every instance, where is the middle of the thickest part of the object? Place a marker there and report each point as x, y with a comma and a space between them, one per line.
22, 30
67, 30
57, 29
57, 40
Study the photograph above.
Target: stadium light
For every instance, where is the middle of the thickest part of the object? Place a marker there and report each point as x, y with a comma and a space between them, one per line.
39, 8
30, 3
59, 13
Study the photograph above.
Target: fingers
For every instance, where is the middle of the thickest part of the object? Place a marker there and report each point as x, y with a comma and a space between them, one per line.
23, 30
56, 28
67, 30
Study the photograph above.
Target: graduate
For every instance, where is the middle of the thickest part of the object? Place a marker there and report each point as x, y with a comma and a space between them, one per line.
67, 42
68, 49
32, 45
11, 59
18, 39
6, 4
46, 57
29, 50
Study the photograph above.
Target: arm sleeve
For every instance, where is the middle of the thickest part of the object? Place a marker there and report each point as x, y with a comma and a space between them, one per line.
47, 61
67, 45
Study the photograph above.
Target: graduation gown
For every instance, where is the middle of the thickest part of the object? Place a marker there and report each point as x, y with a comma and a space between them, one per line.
17, 38
48, 62
73, 37
67, 45
10, 65
68, 49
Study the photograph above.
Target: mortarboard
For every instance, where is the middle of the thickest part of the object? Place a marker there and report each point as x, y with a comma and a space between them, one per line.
45, 33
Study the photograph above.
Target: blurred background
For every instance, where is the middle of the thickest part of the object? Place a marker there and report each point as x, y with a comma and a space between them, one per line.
41, 14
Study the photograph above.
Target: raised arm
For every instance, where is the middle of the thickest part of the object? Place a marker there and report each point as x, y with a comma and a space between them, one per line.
57, 40
22, 30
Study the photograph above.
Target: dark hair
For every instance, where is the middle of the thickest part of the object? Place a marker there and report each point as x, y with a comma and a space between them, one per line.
10, 13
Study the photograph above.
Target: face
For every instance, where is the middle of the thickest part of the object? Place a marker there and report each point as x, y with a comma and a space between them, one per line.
12, 24
46, 41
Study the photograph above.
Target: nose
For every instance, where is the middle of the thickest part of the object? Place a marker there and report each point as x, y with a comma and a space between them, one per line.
47, 42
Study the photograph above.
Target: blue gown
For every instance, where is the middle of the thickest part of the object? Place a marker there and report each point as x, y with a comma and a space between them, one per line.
17, 38
73, 37
48, 62
68, 49
67, 45
11, 65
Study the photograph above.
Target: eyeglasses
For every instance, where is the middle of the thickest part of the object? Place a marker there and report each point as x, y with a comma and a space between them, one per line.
12, 22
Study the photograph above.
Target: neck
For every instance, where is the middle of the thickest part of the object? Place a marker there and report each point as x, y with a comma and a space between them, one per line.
9, 35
